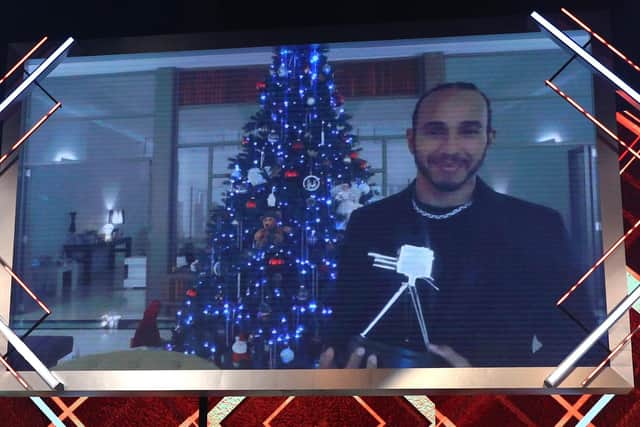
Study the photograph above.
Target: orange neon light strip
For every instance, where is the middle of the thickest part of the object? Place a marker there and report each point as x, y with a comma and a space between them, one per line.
30, 132
631, 159
589, 116
371, 412
600, 39
624, 95
597, 264
27, 290
628, 113
633, 127
279, 409
68, 411
443, 420
17, 376
611, 355
191, 420
573, 411
36, 126
629, 124
24, 58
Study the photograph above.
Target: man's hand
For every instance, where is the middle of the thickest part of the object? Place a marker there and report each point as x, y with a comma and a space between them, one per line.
327, 359
450, 355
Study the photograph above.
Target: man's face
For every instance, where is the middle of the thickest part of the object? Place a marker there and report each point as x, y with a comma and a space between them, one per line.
450, 140
269, 222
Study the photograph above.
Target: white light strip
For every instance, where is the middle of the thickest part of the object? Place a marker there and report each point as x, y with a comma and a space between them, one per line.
563, 370
36, 73
47, 412
31, 358
595, 410
585, 56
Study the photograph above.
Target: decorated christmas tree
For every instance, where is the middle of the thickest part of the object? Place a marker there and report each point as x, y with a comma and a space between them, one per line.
274, 243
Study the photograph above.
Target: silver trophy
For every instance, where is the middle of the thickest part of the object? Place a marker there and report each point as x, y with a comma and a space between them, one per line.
416, 263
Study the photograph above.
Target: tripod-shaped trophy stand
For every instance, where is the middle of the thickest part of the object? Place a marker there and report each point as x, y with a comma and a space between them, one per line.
415, 263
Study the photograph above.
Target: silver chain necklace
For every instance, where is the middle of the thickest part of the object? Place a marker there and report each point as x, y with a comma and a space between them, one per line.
440, 216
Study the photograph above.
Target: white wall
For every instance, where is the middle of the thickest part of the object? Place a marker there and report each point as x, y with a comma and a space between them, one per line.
90, 189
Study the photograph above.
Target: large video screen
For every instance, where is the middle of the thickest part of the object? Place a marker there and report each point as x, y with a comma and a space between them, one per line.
409, 203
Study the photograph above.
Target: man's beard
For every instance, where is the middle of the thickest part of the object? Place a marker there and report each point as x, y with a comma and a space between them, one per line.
449, 187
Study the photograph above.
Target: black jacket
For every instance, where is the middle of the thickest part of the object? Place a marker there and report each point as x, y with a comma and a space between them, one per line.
501, 265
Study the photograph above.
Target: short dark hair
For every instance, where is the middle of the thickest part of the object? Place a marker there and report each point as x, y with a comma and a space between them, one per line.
453, 85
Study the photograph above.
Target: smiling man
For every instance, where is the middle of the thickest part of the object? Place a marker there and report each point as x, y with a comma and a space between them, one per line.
500, 262
449, 140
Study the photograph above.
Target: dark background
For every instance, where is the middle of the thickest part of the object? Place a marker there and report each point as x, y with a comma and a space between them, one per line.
27, 21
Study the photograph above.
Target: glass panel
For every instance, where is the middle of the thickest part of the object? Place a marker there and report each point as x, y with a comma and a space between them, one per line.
137, 233
192, 209
84, 217
222, 153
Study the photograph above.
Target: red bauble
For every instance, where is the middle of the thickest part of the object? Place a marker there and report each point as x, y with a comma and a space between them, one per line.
291, 174
297, 146
261, 85
251, 204
245, 141
276, 261
363, 165
192, 293
354, 155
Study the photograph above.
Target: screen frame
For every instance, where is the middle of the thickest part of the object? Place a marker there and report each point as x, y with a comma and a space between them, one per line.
616, 378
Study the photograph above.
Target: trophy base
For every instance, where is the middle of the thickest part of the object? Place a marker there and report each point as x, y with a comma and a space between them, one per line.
391, 356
